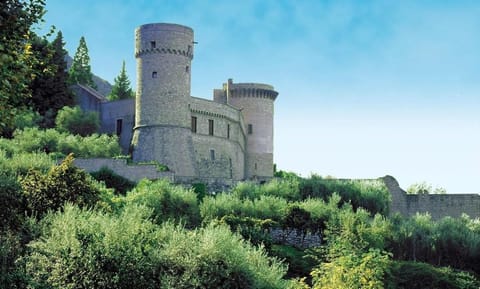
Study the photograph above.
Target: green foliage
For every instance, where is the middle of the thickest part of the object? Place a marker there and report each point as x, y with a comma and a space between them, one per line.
415, 275
53, 141
121, 88
299, 262
371, 195
17, 59
19, 164
424, 188
251, 229
200, 189
112, 180
63, 183
50, 91
353, 256
169, 202
12, 205
284, 188
448, 242
86, 249
76, 121
80, 71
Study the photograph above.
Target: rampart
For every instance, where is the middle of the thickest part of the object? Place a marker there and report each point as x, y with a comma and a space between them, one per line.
437, 205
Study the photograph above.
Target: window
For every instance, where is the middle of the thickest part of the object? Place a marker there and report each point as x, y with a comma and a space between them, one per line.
187, 69
153, 44
228, 130
210, 126
212, 155
250, 128
194, 124
154, 74
119, 126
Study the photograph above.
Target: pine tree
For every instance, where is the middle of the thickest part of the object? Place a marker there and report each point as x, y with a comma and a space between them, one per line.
121, 88
80, 71
50, 90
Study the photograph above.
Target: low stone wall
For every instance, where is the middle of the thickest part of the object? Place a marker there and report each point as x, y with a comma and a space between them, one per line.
134, 172
295, 238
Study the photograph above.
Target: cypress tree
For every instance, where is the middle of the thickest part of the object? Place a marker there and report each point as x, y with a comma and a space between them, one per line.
80, 71
121, 88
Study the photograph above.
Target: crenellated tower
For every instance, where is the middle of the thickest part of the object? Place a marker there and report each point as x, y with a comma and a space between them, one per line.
256, 103
162, 116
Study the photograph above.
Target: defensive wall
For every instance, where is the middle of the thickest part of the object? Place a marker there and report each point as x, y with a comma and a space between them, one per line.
437, 205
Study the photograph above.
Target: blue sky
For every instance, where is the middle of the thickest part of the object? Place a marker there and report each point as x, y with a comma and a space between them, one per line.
367, 88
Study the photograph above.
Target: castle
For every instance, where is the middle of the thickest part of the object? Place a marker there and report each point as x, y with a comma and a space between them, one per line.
227, 138
213, 142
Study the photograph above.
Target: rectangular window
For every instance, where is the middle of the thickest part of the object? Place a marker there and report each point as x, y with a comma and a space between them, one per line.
212, 155
154, 74
119, 126
250, 128
228, 130
210, 126
194, 124
153, 44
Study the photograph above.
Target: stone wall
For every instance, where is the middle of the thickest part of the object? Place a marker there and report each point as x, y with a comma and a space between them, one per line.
120, 167
118, 117
292, 237
438, 206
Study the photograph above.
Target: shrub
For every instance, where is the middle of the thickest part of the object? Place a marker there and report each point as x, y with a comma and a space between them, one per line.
371, 195
12, 205
86, 249
62, 183
76, 121
415, 275
112, 180
169, 202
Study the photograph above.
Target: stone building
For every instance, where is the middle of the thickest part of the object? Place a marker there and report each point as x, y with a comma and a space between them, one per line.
229, 138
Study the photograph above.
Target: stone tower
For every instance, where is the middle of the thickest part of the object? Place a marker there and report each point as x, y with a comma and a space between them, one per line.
162, 117
255, 101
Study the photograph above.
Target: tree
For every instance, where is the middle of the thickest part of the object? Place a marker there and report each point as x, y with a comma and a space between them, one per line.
50, 90
121, 88
77, 121
16, 56
80, 71
63, 183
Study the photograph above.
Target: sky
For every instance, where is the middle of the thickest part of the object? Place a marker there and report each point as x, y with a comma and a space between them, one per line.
366, 88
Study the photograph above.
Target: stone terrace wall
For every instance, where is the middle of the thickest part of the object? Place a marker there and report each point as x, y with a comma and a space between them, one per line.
120, 167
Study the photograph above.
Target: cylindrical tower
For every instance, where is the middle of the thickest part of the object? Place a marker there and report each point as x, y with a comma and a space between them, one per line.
162, 117
255, 101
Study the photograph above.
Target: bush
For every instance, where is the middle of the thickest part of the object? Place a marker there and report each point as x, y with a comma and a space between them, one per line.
415, 275
112, 180
371, 195
85, 249
63, 183
12, 205
54, 142
169, 202
76, 121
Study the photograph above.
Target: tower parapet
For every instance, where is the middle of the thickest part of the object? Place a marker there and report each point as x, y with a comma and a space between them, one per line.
162, 117
256, 103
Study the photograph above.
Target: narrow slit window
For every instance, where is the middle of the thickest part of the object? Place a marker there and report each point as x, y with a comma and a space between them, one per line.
153, 44
210, 126
250, 128
118, 127
212, 155
194, 124
187, 69
154, 74
228, 130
